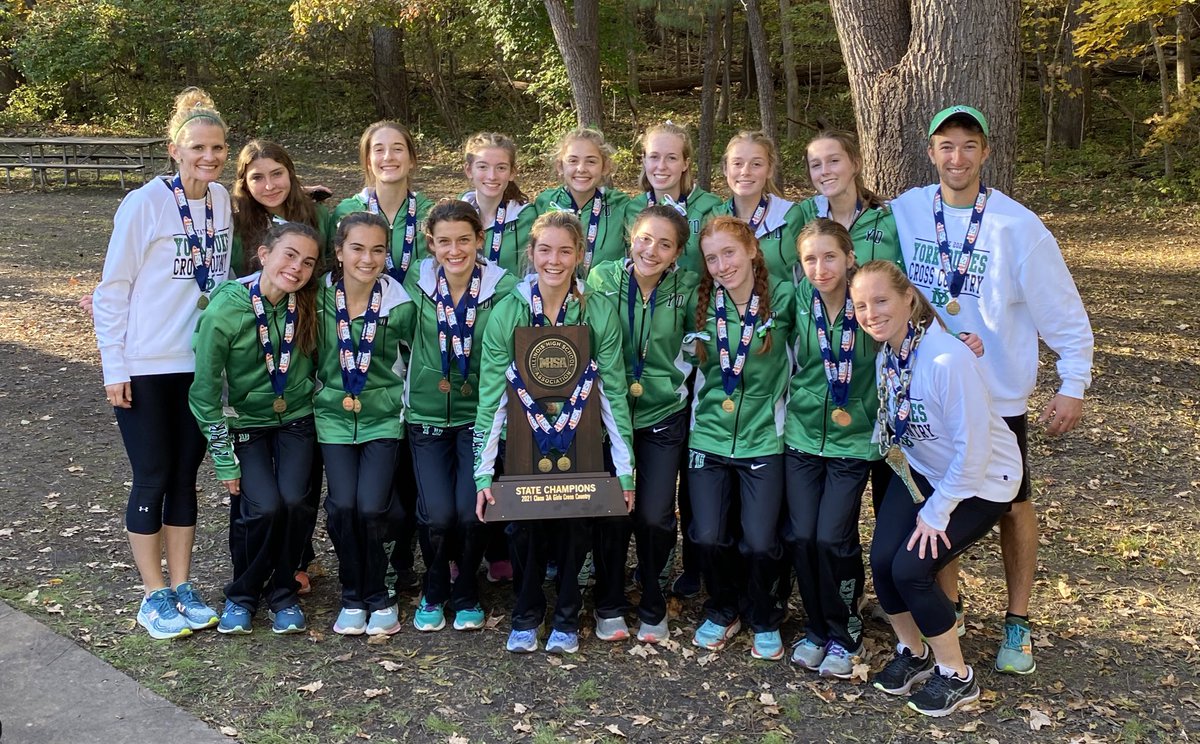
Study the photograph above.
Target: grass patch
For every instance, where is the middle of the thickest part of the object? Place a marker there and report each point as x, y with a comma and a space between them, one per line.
588, 691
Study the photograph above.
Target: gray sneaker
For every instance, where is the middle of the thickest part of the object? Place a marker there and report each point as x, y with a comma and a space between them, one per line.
808, 654
838, 662
656, 633
611, 628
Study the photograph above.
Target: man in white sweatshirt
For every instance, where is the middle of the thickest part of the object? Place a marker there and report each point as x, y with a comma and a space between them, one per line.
990, 267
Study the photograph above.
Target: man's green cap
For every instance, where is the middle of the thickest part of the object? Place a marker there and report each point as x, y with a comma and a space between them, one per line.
940, 118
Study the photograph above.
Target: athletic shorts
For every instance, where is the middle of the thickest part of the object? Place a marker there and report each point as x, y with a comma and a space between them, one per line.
1020, 426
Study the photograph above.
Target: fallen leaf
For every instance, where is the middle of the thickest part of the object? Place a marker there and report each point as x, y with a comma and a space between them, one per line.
1038, 719
522, 727
376, 692
766, 698
456, 739
378, 640
860, 672
519, 709
344, 657
55, 609
615, 730
31, 598
311, 686
390, 666
170, 675
969, 728
228, 731
641, 720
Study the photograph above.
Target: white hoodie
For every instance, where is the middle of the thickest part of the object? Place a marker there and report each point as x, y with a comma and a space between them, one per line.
1016, 288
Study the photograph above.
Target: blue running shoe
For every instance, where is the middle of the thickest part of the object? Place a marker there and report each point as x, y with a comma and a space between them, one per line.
160, 616
562, 642
713, 637
472, 619
288, 620
235, 619
351, 621
384, 622
768, 646
522, 641
808, 654
1016, 653
429, 616
194, 609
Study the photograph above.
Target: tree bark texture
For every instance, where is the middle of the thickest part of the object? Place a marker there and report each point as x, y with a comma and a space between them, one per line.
723, 108
391, 77
1072, 106
578, 43
908, 59
708, 97
1185, 24
791, 79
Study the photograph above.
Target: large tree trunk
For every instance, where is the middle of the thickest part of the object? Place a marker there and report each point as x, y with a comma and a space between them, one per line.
1184, 24
789, 70
762, 69
1164, 89
708, 96
437, 83
391, 77
1073, 105
723, 107
908, 59
578, 43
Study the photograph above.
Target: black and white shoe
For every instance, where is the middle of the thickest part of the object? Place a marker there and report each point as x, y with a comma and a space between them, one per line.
904, 671
944, 693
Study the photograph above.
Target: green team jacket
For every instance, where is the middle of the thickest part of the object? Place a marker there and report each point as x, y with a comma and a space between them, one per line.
604, 335
611, 240
359, 202
424, 403
664, 377
776, 234
809, 427
382, 416
229, 358
699, 204
237, 253
873, 232
755, 428
518, 219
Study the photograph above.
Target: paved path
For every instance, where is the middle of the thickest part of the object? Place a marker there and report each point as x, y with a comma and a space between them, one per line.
54, 692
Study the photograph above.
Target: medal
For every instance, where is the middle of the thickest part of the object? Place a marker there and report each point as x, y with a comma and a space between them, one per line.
731, 374
202, 256
839, 360
410, 234
456, 324
895, 378
636, 389
355, 363
639, 362
556, 436
443, 386
956, 276
545, 465
564, 463
465, 390
760, 212
278, 374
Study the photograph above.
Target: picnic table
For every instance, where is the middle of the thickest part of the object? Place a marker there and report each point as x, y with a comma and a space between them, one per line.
80, 154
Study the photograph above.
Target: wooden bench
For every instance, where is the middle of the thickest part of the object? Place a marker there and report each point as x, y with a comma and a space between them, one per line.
40, 167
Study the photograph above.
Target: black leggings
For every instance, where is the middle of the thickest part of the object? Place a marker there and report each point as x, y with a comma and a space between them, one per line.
657, 451
904, 582
360, 495
165, 448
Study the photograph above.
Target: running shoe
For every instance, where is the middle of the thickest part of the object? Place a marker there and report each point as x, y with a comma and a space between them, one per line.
351, 621
429, 616
385, 622
767, 646
944, 693
611, 628
197, 613
654, 633
288, 620
839, 661
808, 654
472, 619
1016, 653
713, 637
235, 619
498, 571
304, 581
159, 615
562, 642
522, 641
904, 671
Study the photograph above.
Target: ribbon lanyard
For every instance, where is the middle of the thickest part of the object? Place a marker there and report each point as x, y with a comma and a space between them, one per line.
853, 218
731, 373
355, 364
894, 406
760, 212
839, 365
498, 232
679, 205
410, 234
559, 435
639, 362
955, 278
537, 315
456, 325
202, 256
278, 374
593, 225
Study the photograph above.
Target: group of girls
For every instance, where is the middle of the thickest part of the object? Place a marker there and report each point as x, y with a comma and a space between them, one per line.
733, 344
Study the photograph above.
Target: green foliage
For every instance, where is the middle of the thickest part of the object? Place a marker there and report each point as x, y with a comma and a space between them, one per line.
1108, 33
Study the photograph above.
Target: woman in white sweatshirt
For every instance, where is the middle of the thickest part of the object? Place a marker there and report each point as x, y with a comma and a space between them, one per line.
958, 469
169, 249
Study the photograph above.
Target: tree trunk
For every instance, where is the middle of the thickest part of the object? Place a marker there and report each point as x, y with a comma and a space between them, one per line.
908, 59
748, 78
578, 43
1074, 103
1164, 89
391, 77
762, 69
708, 97
1183, 50
726, 63
789, 70
437, 84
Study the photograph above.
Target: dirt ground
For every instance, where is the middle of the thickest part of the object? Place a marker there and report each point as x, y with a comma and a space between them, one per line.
1116, 604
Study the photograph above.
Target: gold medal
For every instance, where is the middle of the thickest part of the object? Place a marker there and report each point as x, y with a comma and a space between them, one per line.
953, 307
636, 389
564, 463
552, 409
465, 390
728, 405
841, 417
444, 385
202, 302
348, 403
280, 405
357, 405
545, 465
